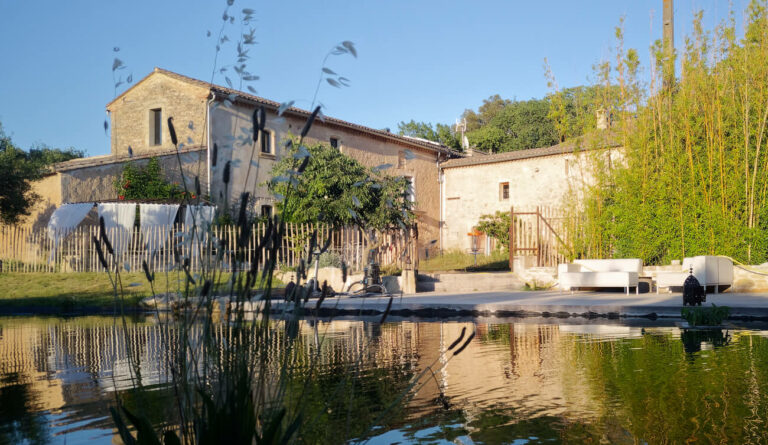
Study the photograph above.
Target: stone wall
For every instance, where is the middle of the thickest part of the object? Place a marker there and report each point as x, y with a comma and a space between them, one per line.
48, 190
473, 191
130, 114
96, 182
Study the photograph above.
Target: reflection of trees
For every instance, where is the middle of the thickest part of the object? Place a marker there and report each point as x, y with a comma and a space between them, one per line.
20, 416
660, 394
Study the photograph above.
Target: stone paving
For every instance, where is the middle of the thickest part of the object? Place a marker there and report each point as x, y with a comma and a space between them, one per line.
551, 303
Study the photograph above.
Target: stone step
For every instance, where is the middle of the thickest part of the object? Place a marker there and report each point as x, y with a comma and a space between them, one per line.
468, 282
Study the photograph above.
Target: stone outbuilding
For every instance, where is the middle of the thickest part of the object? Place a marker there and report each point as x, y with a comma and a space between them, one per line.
483, 184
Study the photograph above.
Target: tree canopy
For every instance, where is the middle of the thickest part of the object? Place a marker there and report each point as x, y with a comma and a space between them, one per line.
440, 133
19, 168
500, 125
337, 190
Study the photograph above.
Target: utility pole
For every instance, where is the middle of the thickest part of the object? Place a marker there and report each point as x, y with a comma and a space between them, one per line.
669, 44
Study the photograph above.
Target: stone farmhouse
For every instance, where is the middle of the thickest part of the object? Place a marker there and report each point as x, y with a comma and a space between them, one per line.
205, 115
484, 184
451, 190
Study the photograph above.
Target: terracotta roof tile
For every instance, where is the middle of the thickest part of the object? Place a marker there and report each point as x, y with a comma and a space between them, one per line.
588, 142
250, 98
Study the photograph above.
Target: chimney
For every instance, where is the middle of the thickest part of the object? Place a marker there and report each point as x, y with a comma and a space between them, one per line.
669, 44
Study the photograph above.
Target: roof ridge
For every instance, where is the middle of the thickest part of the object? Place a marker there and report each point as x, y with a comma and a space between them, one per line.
436, 146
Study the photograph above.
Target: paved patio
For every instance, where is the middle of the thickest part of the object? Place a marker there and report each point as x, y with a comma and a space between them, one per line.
550, 303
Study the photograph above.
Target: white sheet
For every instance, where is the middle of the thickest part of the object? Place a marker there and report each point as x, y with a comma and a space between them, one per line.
118, 220
200, 217
65, 219
156, 223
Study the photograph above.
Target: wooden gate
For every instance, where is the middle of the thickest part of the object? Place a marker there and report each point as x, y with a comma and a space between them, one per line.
535, 233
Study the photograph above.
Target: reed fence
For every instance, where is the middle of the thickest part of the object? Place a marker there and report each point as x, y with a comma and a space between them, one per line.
24, 249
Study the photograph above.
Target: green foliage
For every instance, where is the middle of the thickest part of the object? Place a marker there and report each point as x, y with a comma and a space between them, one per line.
705, 316
694, 175
337, 190
19, 169
441, 133
146, 183
329, 259
496, 226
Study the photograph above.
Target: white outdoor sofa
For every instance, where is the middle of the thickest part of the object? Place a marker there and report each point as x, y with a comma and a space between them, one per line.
711, 272
600, 273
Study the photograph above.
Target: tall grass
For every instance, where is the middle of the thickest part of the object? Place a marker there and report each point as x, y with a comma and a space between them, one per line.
244, 379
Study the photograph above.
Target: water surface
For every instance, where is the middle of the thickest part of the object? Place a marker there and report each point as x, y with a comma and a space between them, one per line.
517, 382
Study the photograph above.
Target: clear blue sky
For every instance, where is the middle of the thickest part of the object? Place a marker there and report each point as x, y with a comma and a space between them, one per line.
423, 60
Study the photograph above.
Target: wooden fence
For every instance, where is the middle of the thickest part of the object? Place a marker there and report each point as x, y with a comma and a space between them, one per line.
23, 249
539, 233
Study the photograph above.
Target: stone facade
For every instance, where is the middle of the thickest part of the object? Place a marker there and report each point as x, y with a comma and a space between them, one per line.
197, 107
87, 180
369, 149
131, 118
483, 185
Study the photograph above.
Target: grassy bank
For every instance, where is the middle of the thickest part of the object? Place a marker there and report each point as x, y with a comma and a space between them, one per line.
70, 291
459, 261
82, 291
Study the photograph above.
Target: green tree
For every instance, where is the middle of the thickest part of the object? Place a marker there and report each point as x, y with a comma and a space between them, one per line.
19, 169
496, 226
440, 133
147, 183
337, 190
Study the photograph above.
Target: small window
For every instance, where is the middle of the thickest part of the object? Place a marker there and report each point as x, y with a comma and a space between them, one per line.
266, 211
156, 126
335, 143
410, 193
401, 159
504, 191
266, 142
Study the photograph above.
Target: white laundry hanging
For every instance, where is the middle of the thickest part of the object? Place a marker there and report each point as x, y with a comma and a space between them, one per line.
64, 220
197, 224
118, 222
156, 218
199, 217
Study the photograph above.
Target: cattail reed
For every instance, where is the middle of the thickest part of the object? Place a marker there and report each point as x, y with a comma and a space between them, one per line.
145, 266
458, 340
311, 119
172, 131
323, 294
100, 253
386, 311
225, 176
466, 343
103, 236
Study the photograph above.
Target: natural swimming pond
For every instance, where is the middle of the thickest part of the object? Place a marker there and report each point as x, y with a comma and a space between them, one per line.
521, 381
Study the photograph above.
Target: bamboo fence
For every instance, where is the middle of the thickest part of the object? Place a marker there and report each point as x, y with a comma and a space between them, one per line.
24, 249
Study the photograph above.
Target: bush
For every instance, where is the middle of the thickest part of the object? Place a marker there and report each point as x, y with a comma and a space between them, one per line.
146, 182
329, 259
705, 316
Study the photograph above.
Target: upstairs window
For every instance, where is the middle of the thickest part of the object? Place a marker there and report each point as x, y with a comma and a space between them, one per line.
410, 191
401, 159
266, 142
266, 211
156, 126
335, 143
504, 191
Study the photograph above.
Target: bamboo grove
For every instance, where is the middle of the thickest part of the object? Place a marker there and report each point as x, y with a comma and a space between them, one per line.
692, 178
